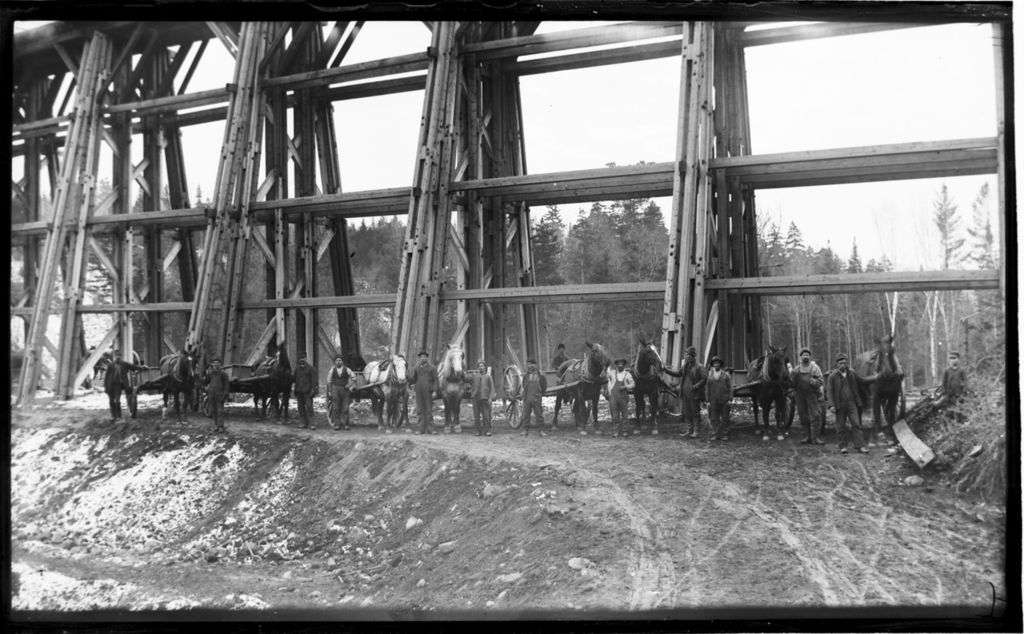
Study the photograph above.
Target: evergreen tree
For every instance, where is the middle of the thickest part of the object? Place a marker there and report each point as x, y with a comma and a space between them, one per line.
854, 265
948, 222
548, 239
983, 246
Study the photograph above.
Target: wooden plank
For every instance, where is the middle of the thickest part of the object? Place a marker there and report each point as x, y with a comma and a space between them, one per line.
575, 38
102, 347
589, 59
803, 32
919, 452
857, 282
352, 72
261, 242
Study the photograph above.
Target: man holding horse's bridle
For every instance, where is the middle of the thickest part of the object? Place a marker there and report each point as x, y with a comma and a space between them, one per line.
116, 381
691, 390
808, 380
423, 379
337, 387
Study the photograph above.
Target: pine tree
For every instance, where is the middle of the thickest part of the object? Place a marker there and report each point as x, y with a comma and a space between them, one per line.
947, 222
548, 240
982, 247
854, 265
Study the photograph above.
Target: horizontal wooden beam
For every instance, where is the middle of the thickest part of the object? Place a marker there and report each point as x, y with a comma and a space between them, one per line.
575, 38
818, 30
352, 72
898, 161
857, 283
854, 283
607, 57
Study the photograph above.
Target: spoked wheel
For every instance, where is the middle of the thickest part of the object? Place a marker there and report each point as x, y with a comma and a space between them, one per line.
133, 403
513, 413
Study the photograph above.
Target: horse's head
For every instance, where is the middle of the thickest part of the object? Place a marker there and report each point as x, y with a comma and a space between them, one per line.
648, 361
598, 359
775, 364
453, 365
397, 371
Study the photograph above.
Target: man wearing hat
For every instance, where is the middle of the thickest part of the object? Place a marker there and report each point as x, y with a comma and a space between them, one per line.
217, 387
534, 386
844, 392
954, 380
691, 390
306, 387
556, 364
719, 388
482, 394
116, 381
423, 379
808, 380
620, 381
337, 386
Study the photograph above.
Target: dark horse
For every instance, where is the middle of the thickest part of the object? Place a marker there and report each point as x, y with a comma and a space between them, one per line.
177, 374
883, 370
274, 390
587, 375
390, 397
646, 370
770, 376
451, 377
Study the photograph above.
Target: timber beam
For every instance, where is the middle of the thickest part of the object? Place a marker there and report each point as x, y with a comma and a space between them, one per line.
852, 283
858, 283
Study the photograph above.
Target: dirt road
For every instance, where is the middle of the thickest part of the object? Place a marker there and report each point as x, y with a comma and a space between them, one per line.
166, 515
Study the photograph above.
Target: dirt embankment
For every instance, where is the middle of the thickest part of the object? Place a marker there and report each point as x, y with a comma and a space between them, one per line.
161, 515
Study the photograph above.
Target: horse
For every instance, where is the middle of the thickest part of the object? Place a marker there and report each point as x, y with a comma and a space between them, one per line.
885, 391
587, 375
451, 377
178, 376
390, 398
274, 391
646, 370
770, 374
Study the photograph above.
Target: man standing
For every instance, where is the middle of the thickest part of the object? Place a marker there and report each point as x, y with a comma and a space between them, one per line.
337, 386
424, 381
719, 399
306, 387
616, 391
691, 390
556, 364
808, 381
217, 388
534, 386
482, 395
844, 392
954, 380
116, 381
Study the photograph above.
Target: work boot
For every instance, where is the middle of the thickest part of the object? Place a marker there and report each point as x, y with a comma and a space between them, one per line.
806, 440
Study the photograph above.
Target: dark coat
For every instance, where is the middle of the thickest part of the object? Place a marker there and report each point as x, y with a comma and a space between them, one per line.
835, 391
117, 374
954, 382
217, 382
694, 378
559, 359
305, 379
424, 378
483, 387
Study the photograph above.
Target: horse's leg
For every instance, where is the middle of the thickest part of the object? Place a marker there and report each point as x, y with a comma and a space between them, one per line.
558, 406
457, 412
877, 401
780, 414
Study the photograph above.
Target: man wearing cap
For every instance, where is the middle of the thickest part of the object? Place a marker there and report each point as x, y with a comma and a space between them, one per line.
483, 393
691, 390
306, 387
719, 388
534, 386
556, 364
620, 380
423, 378
116, 381
217, 387
808, 380
954, 380
844, 393
337, 386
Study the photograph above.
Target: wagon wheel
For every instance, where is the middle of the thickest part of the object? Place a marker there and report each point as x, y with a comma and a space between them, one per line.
133, 402
513, 413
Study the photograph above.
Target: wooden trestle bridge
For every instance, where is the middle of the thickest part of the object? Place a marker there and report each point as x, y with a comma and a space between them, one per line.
278, 195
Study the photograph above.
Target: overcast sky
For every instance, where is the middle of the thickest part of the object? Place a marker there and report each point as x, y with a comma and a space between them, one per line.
919, 84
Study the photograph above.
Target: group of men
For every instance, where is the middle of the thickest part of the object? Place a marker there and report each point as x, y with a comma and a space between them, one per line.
841, 390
